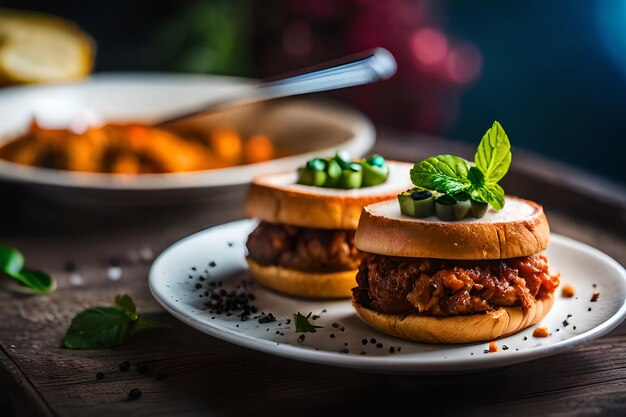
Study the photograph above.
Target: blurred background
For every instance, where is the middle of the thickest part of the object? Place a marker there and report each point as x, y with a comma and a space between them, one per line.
553, 73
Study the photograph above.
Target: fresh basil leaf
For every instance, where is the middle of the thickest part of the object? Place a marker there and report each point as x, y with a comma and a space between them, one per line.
127, 305
98, 328
493, 156
303, 324
37, 281
11, 260
141, 325
492, 194
476, 177
443, 173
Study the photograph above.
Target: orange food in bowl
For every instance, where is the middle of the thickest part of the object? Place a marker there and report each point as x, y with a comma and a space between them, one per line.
135, 149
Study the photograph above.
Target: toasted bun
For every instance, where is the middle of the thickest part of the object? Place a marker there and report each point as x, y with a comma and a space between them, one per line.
304, 284
456, 329
276, 198
519, 229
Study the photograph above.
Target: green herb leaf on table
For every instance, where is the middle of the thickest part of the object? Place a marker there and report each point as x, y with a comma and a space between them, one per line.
443, 173
106, 327
98, 328
37, 281
127, 305
303, 324
141, 325
493, 156
11, 260
12, 265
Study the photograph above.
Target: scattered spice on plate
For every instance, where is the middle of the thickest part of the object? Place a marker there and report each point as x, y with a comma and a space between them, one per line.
594, 296
565, 323
541, 332
493, 346
212, 264
568, 291
266, 318
505, 347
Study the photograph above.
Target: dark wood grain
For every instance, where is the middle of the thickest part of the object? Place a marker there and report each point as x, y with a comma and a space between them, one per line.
206, 376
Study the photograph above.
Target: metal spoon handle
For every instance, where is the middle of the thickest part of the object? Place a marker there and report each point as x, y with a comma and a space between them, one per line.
362, 68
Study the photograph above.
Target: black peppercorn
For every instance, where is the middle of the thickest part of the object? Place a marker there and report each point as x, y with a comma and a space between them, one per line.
143, 368
134, 394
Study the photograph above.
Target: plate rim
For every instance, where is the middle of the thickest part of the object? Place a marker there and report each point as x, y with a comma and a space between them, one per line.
390, 364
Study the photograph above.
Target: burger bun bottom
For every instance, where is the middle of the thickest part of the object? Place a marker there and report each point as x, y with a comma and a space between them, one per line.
456, 329
304, 284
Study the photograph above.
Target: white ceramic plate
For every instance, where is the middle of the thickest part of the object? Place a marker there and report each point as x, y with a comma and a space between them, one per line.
176, 273
308, 127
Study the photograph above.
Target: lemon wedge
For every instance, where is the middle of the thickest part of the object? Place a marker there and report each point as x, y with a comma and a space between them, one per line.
36, 47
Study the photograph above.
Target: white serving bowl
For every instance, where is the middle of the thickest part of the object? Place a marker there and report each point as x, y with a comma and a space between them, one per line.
309, 127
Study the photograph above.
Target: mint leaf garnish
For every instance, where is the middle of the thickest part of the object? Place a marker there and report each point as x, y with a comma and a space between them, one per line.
493, 156
449, 174
492, 194
476, 177
105, 327
303, 324
444, 173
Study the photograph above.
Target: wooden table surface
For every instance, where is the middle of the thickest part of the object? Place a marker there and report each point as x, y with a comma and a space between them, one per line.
206, 376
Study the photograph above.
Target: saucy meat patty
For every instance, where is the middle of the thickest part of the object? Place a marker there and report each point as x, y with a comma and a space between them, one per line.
438, 287
304, 249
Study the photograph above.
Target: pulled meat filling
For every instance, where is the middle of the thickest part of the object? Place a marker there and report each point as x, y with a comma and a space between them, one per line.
304, 249
441, 287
